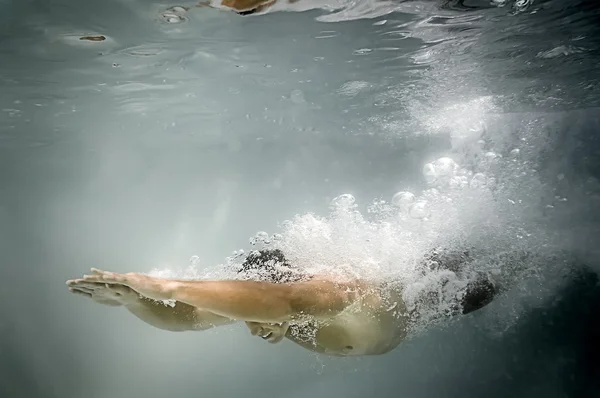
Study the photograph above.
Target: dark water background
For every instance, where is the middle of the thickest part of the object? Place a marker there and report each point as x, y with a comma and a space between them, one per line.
171, 140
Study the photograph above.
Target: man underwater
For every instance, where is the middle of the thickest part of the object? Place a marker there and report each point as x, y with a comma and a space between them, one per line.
250, 7
325, 314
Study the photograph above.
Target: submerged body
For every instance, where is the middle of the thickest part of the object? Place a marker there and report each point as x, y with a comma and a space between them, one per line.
250, 7
370, 327
333, 316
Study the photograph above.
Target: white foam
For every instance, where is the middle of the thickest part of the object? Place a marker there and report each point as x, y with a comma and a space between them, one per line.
386, 241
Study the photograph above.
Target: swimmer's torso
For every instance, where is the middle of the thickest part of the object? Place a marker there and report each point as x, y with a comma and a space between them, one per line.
374, 325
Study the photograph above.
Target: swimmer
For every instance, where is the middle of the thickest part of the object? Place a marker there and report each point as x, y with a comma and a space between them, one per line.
176, 14
249, 7
325, 314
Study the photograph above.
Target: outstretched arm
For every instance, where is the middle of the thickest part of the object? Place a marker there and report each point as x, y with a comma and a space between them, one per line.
177, 318
245, 300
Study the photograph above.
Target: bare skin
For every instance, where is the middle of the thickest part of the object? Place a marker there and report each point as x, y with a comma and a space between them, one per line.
247, 7
244, 7
334, 317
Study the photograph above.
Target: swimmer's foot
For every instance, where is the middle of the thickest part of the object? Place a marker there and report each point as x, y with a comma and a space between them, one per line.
479, 293
112, 295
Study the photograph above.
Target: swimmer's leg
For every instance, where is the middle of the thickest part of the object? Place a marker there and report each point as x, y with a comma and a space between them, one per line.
481, 291
451, 260
478, 293
245, 300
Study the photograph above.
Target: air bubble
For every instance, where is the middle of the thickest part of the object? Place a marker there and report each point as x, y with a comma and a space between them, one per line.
403, 200
429, 173
479, 180
260, 237
458, 182
445, 167
174, 15
478, 128
464, 172
491, 155
440, 171
419, 209
521, 5
344, 201
431, 193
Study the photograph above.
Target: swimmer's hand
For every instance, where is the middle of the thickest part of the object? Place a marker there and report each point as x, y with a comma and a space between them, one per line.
272, 332
147, 286
103, 293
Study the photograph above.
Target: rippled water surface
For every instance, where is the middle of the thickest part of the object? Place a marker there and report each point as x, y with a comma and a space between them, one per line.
355, 135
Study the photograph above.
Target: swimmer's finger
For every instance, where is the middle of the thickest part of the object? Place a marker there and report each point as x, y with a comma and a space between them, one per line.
101, 285
80, 292
108, 276
80, 283
84, 289
76, 282
109, 302
119, 289
93, 278
103, 276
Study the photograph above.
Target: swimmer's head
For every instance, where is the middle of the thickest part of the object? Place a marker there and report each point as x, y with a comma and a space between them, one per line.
270, 265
